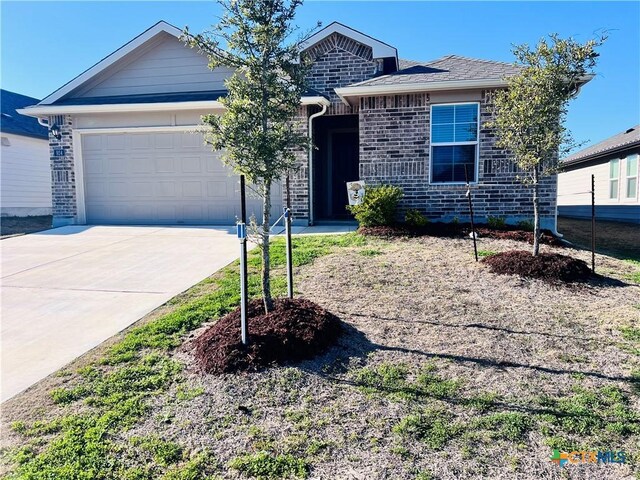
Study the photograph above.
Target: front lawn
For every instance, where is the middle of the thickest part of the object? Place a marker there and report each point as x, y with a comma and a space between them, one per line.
446, 371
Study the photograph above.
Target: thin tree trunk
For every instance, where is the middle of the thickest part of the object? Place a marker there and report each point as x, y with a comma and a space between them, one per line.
266, 220
536, 212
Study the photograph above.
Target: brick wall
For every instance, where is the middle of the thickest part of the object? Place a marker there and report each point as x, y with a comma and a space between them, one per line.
339, 61
63, 180
299, 176
394, 149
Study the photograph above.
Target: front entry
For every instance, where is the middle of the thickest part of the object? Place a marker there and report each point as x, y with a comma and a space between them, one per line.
335, 164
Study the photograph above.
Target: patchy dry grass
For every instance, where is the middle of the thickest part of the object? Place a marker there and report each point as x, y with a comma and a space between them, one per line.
447, 371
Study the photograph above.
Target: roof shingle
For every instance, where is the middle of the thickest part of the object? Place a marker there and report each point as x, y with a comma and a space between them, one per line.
12, 122
629, 137
449, 68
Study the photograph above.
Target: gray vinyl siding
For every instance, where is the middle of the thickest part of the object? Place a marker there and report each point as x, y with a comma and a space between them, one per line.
166, 65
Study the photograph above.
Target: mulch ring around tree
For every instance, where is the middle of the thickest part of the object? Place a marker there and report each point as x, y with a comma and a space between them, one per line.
296, 329
453, 230
551, 267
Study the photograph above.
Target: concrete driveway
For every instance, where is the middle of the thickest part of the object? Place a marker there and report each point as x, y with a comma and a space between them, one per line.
66, 290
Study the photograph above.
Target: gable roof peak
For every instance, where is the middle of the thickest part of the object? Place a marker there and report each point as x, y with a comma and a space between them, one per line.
380, 49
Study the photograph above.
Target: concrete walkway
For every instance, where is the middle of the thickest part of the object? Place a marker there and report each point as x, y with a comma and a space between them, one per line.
66, 290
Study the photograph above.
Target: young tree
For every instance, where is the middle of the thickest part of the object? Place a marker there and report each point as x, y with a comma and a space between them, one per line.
529, 115
256, 132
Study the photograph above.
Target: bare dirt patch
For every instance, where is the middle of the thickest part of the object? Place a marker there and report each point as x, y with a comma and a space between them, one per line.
551, 267
296, 329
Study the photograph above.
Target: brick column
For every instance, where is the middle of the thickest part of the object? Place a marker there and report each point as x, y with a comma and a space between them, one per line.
63, 178
299, 177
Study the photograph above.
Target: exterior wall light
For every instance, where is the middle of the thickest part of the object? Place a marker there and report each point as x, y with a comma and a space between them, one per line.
55, 131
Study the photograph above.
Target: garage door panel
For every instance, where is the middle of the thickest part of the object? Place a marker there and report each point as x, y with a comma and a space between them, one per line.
116, 142
166, 189
164, 140
142, 189
164, 165
192, 189
141, 141
217, 189
93, 165
116, 166
141, 164
161, 178
190, 165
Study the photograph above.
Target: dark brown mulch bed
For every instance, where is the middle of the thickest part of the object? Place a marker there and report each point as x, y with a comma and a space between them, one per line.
520, 235
295, 330
453, 230
551, 267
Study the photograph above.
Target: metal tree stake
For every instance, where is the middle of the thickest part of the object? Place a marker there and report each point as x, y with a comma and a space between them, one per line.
473, 229
242, 236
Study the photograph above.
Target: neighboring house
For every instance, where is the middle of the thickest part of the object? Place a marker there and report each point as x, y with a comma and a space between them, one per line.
25, 167
615, 164
128, 154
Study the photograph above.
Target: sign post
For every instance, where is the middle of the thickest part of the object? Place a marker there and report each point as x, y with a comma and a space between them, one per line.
287, 223
242, 236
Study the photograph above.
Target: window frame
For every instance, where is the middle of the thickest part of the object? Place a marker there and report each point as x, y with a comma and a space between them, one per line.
612, 179
635, 157
449, 144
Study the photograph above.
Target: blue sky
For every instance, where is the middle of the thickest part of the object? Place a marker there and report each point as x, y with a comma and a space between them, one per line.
46, 44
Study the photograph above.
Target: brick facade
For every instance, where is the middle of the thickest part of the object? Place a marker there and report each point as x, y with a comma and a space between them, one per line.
339, 61
63, 176
394, 149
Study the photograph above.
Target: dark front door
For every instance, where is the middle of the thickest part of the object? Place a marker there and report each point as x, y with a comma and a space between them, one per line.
343, 168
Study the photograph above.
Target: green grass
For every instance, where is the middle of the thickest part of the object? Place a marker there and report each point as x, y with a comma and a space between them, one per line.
164, 452
392, 381
433, 426
264, 466
630, 333
635, 276
116, 388
486, 253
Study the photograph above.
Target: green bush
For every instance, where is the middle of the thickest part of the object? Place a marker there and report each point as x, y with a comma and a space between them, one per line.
496, 222
379, 206
414, 218
526, 225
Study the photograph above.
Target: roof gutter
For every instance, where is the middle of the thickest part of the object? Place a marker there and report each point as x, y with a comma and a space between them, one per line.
46, 110
324, 106
41, 111
370, 90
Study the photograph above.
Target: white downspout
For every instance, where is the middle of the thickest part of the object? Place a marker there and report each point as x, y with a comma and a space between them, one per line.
43, 122
321, 112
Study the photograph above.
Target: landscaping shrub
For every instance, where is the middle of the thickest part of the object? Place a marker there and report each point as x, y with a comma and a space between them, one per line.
526, 225
379, 206
414, 218
551, 267
496, 222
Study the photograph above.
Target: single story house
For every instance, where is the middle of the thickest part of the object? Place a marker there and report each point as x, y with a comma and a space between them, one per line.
614, 162
25, 167
126, 151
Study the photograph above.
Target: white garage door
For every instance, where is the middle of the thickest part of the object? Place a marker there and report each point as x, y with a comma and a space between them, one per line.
161, 178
